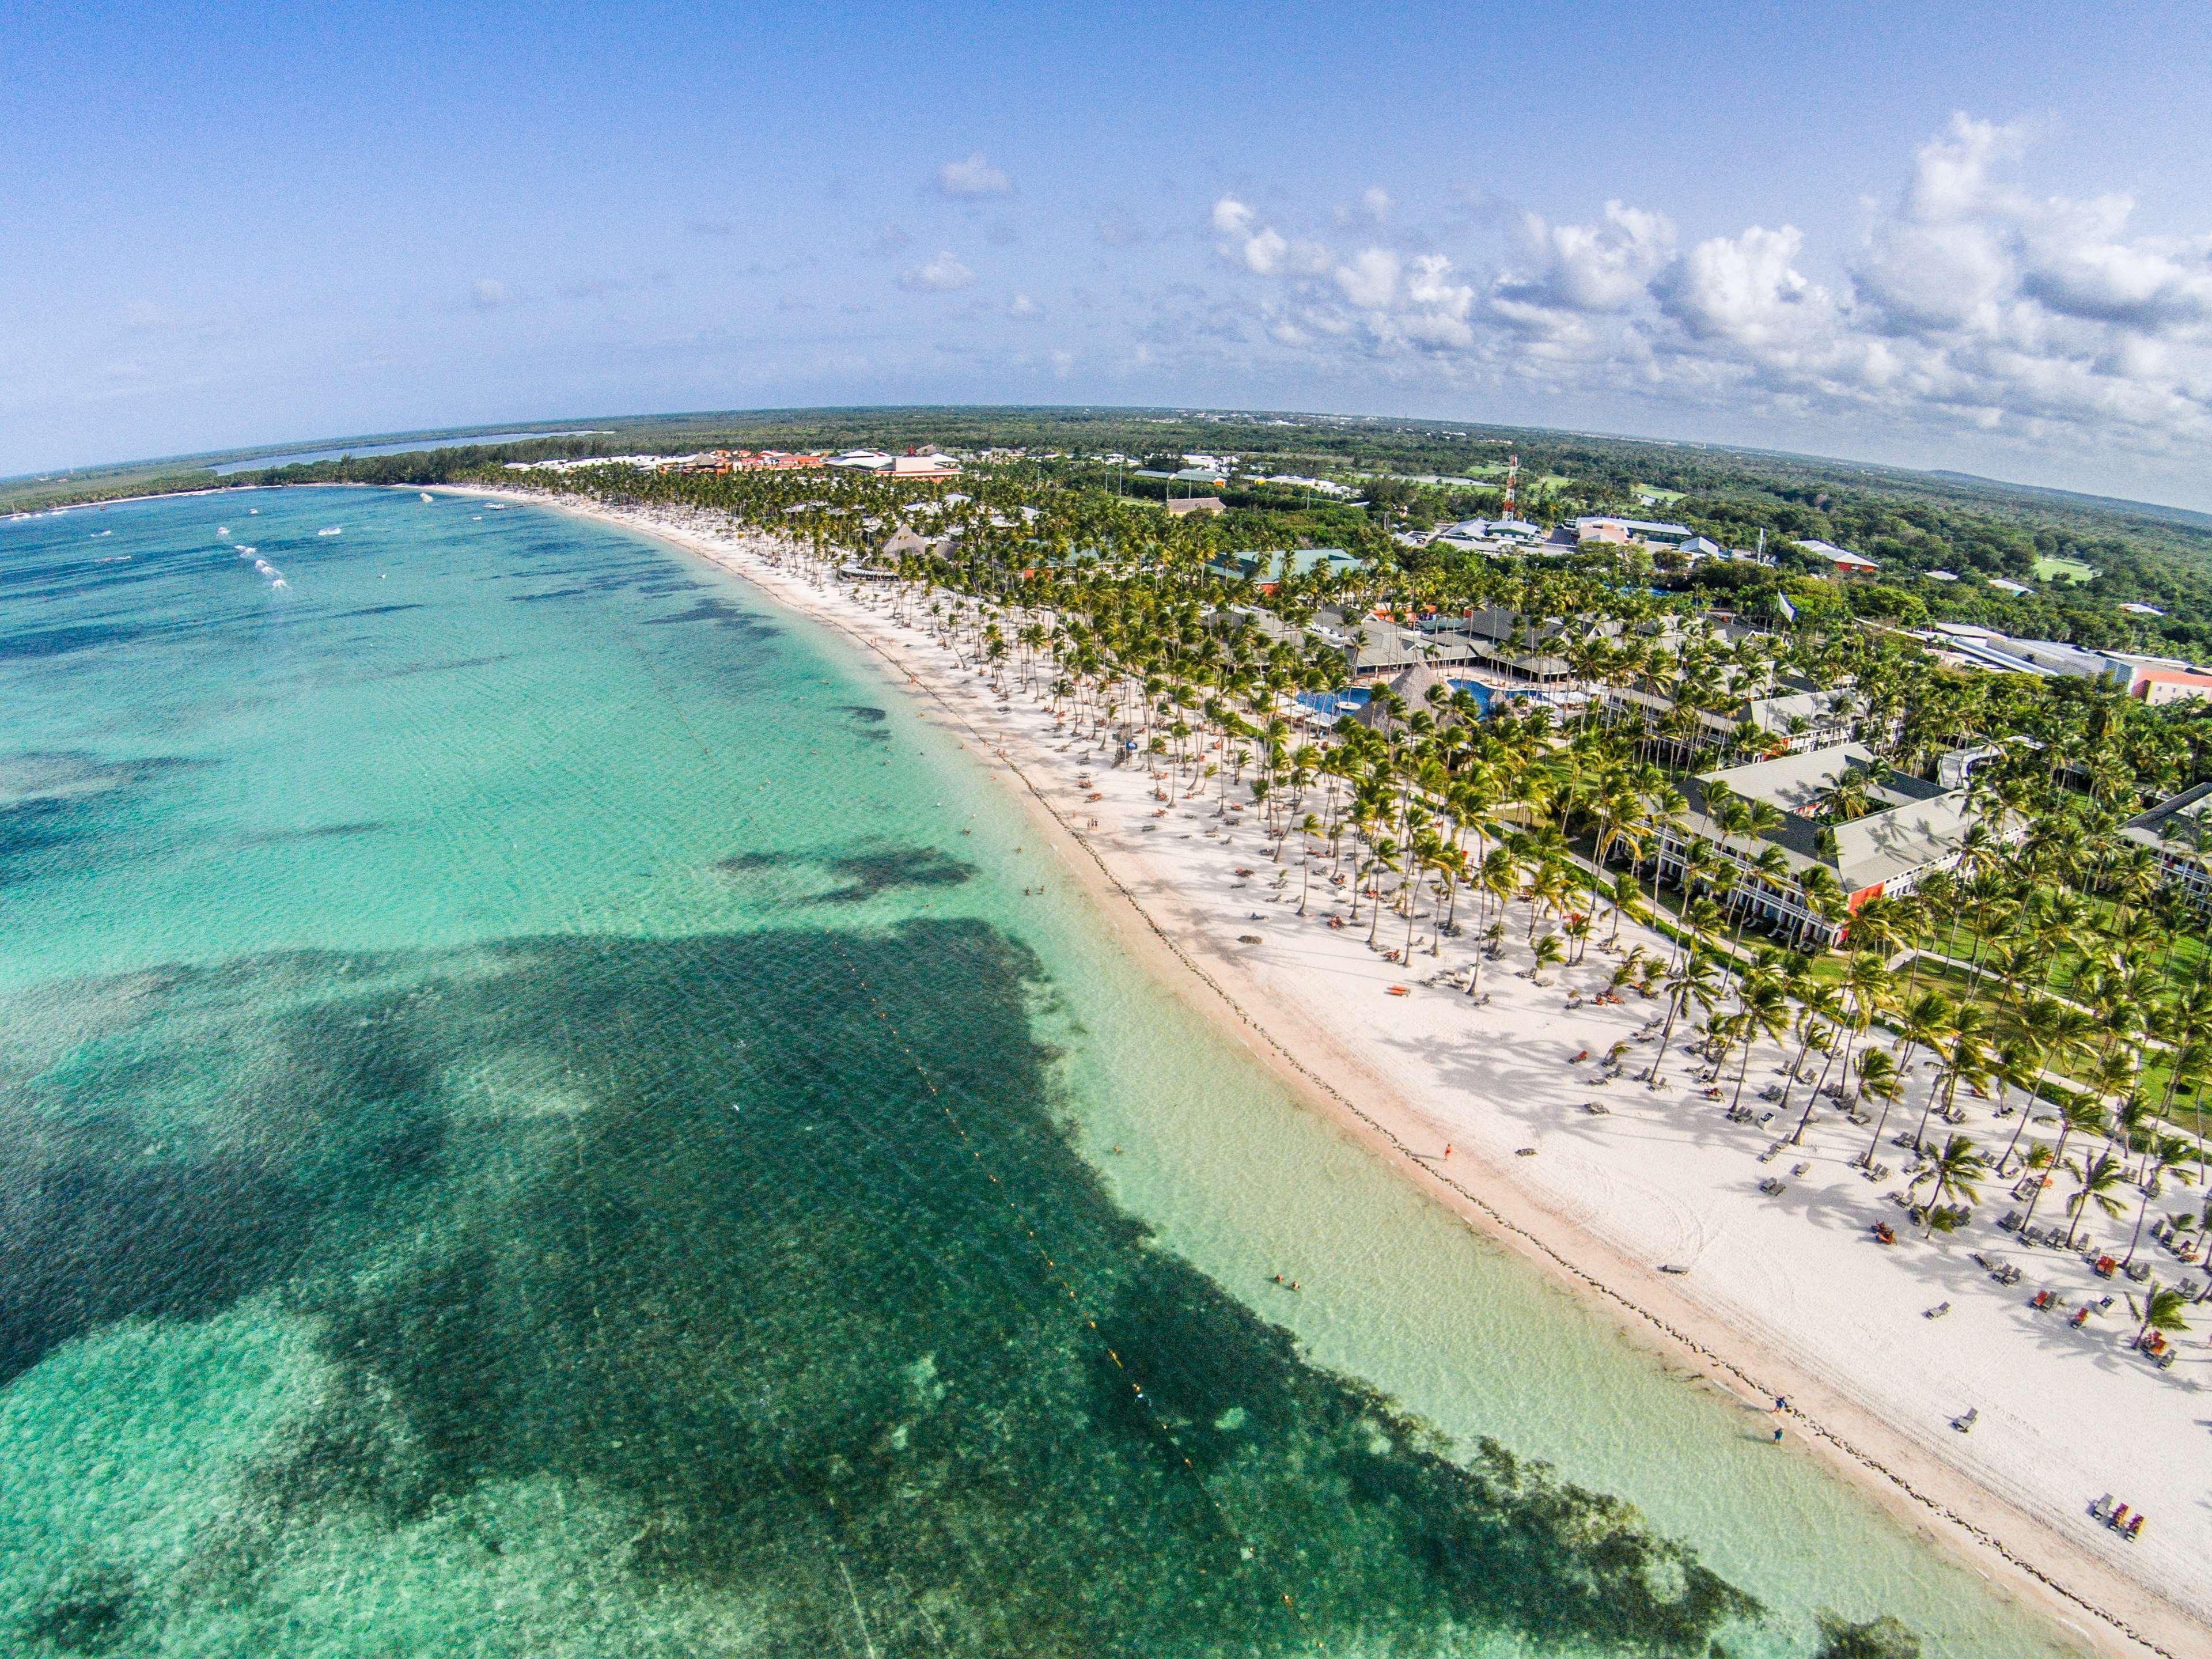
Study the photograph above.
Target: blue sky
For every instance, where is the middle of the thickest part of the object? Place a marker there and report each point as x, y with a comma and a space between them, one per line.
1982, 239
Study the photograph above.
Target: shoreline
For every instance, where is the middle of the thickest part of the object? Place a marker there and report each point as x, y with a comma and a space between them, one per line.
1997, 1535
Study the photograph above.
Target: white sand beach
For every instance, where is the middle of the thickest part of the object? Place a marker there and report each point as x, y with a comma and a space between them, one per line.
1786, 1294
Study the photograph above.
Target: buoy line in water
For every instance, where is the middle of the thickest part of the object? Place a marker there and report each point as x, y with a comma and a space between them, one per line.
1581, 1274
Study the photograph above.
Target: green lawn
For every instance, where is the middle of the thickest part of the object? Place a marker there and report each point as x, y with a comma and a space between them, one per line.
2187, 964
2049, 569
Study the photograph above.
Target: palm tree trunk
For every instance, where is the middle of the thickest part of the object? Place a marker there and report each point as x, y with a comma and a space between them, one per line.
2135, 1237
2058, 1162
2026, 1112
1812, 1099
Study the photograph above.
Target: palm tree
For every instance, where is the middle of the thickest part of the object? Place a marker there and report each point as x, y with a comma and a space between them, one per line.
1762, 1010
1691, 978
1878, 1076
2161, 1309
2164, 1154
1968, 1057
1820, 1012
1953, 1171
2100, 1180
2077, 1114
1628, 901
1308, 828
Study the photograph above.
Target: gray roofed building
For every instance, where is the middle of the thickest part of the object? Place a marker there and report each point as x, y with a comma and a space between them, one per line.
1787, 722
2179, 831
1381, 647
1413, 686
1264, 569
1915, 827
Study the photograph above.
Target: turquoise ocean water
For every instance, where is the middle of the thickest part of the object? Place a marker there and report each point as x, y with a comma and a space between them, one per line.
536, 1117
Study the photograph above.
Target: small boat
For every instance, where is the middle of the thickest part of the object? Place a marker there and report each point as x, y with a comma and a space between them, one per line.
425, 495
1399, 991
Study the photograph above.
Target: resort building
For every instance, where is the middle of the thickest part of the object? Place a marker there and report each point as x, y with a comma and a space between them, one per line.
1268, 570
1650, 532
1913, 827
1376, 647
1208, 505
1786, 723
2157, 685
2179, 831
920, 466
1846, 563
907, 469
1490, 535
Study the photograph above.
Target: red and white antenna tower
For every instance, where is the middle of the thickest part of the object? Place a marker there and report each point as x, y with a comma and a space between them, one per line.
1512, 471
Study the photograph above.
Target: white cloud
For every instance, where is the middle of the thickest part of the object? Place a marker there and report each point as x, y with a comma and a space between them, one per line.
485, 295
1746, 289
1591, 268
939, 276
1025, 307
973, 177
1969, 304
1261, 249
1370, 278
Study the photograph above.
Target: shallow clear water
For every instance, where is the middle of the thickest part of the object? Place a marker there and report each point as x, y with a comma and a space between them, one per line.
544, 1112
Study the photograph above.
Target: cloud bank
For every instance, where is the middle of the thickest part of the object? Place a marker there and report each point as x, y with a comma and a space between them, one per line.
1968, 303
